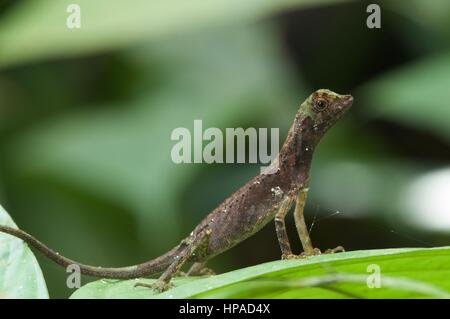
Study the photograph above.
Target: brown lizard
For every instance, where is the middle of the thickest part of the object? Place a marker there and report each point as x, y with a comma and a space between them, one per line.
265, 197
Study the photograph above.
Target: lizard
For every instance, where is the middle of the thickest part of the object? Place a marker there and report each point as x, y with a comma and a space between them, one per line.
268, 196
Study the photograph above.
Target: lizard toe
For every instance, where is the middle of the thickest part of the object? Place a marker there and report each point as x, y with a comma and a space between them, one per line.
338, 249
291, 256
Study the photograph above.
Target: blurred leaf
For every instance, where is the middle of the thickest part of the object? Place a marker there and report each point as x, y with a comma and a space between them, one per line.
434, 15
20, 275
122, 151
37, 29
416, 94
354, 188
405, 273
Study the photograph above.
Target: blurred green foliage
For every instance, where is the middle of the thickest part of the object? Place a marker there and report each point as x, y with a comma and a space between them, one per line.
86, 117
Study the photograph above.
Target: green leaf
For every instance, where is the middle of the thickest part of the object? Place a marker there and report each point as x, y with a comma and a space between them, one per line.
20, 275
405, 273
415, 95
37, 29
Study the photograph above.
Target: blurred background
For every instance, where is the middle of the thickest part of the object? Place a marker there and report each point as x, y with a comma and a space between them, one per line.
86, 116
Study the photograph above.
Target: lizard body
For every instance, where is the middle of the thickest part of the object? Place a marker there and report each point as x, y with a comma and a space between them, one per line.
264, 198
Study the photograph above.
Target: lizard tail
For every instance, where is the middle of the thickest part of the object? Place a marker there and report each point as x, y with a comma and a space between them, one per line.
149, 268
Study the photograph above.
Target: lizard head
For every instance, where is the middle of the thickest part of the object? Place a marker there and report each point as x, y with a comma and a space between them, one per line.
325, 108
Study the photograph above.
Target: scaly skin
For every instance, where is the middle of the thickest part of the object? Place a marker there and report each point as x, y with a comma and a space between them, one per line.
265, 197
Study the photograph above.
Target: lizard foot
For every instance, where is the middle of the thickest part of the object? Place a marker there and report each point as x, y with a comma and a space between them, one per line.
292, 256
315, 252
338, 249
199, 269
205, 271
159, 285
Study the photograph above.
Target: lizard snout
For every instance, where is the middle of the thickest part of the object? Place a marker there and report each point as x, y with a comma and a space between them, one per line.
347, 100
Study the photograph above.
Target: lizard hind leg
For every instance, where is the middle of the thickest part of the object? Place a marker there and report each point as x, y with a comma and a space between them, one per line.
185, 250
200, 269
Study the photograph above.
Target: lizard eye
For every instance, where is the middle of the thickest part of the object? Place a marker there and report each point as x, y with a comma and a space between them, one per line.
320, 105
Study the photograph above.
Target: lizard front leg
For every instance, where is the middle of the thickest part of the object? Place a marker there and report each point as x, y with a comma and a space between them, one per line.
302, 230
280, 227
185, 250
300, 223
